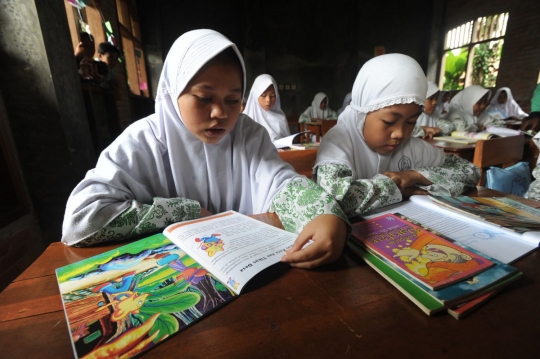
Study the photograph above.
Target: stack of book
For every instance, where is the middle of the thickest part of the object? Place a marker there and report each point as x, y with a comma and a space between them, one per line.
436, 272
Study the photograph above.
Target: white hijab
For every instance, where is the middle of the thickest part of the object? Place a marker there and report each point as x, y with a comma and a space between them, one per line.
345, 103
425, 119
273, 120
383, 81
159, 157
461, 105
442, 105
510, 107
316, 111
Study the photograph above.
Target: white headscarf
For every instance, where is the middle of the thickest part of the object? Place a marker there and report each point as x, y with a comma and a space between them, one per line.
510, 107
273, 120
425, 119
159, 157
345, 103
442, 105
383, 81
316, 111
461, 105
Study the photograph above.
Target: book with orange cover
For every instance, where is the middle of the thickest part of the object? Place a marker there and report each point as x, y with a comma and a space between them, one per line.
432, 260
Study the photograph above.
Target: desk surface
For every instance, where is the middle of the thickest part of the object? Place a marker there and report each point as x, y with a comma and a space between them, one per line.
343, 309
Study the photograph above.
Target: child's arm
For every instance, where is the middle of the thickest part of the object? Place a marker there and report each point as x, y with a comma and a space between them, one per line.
304, 207
137, 219
447, 127
452, 178
357, 196
306, 116
332, 115
534, 189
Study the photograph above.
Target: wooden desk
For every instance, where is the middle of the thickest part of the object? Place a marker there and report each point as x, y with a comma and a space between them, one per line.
464, 150
302, 161
314, 127
344, 309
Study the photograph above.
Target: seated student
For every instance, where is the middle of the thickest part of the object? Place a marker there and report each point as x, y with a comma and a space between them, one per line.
346, 103
504, 102
197, 155
534, 188
467, 110
107, 60
428, 124
319, 110
443, 104
264, 107
369, 159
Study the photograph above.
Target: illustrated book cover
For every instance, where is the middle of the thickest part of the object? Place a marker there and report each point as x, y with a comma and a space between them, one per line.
125, 301
425, 256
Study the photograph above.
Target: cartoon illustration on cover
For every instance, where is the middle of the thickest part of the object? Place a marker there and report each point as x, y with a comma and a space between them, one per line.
125, 301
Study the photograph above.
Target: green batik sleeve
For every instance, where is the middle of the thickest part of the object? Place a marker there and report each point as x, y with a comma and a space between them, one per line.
452, 178
357, 196
300, 201
145, 218
534, 189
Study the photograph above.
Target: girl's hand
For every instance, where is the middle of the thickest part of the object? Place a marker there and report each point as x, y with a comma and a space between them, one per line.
329, 234
405, 179
410, 191
429, 132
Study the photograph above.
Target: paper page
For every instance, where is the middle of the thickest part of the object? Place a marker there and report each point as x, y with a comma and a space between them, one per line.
232, 246
503, 131
497, 114
472, 135
499, 243
287, 141
455, 139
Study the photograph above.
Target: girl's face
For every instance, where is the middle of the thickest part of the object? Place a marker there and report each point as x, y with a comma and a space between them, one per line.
503, 97
387, 128
268, 98
480, 105
431, 102
323, 104
210, 103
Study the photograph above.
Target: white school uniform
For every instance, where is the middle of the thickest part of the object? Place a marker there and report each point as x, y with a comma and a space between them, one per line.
509, 108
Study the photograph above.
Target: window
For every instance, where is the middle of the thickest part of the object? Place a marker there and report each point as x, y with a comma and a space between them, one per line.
132, 46
472, 53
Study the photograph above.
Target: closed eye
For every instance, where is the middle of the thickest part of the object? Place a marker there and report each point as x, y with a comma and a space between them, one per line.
203, 99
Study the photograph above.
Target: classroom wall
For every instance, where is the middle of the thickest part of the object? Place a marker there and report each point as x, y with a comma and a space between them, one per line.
520, 62
316, 45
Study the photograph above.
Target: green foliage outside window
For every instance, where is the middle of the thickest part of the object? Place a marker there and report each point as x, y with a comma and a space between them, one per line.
454, 69
486, 63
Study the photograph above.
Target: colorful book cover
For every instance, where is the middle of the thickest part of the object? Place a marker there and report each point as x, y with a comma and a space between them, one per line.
492, 210
125, 301
421, 254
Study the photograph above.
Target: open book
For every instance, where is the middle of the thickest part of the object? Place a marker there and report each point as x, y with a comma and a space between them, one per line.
466, 137
503, 244
305, 146
287, 141
125, 301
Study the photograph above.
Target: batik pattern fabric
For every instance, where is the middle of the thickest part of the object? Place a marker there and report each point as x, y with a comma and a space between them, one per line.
534, 189
296, 204
357, 196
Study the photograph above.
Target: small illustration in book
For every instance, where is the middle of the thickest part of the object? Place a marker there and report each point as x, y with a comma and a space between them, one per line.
127, 300
211, 244
426, 256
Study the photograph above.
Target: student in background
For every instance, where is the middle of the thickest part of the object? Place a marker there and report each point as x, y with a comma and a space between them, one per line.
369, 159
107, 59
85, 48
197, 155
319, 110
346, 103
443, 104
466, 108
429, 124
504, 102
264, 107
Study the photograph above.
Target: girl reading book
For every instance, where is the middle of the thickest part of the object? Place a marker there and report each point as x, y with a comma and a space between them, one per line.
369, 159
197, 155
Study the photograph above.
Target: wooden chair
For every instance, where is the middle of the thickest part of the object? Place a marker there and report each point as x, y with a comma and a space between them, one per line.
502, 152
302, 161
326, 125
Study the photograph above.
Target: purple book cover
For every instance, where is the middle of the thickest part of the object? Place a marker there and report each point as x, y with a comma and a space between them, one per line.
431, 259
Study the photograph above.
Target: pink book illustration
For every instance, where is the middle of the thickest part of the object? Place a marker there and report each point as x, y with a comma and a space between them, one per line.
434, 261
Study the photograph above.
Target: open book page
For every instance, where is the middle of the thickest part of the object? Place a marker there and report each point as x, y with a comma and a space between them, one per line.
499, 243
287, 141
498, 114
232, 246
503, 131
472, 135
